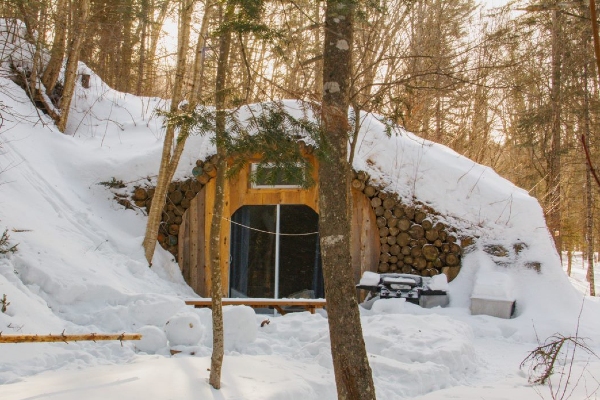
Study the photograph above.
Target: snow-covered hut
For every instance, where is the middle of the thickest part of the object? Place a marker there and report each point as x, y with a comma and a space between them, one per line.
269, 241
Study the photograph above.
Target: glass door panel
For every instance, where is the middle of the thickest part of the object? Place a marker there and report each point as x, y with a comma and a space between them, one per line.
300, 272
254, 267
253, 252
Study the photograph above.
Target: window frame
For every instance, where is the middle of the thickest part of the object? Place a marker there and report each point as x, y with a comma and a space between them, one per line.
255, 185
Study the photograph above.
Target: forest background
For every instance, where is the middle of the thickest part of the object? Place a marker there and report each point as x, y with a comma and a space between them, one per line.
511, 87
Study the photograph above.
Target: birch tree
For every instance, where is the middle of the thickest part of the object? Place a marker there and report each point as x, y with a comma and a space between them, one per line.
171, 152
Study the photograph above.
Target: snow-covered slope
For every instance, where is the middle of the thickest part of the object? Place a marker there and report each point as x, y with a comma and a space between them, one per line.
80, 268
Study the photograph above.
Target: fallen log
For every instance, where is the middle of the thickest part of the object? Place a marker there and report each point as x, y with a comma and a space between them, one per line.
27, 338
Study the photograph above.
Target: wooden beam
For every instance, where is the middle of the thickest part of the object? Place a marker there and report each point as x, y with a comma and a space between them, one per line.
308, 304
31, 338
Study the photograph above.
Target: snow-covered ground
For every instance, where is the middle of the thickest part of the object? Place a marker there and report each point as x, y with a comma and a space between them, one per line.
80, 268
579, 266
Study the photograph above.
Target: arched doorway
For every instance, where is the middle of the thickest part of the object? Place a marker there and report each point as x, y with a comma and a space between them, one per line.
275, 252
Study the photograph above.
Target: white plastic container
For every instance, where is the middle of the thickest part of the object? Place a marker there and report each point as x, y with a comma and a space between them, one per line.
493, 294
494, 307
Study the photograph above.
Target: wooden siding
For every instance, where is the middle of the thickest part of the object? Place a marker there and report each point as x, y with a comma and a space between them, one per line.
195, 233
192, 258
365, 236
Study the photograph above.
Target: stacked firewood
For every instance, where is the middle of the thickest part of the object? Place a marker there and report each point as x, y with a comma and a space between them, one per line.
204, 171
412, 240
179, 197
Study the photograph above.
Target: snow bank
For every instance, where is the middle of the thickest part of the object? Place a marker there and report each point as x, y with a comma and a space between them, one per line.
369, 278
438, 282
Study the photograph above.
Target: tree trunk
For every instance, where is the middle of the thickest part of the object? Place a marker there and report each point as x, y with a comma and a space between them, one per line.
37, 63
29, 13
124, 74
155, 30
168, 162
142, 50
198, 79
82, 13
216, 361
318, 90
589, 227
589, 195
57, 53
554, 201
595, 34
352, 371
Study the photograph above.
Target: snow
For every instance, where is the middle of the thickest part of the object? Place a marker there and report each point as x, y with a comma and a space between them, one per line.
184, 329
438, 282
342, 45
369, 278
493, 285
393, 279
331, 87
393, 306
80, 268
153, 340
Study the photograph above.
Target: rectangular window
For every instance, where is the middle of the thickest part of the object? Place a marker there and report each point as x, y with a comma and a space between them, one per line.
268, 176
